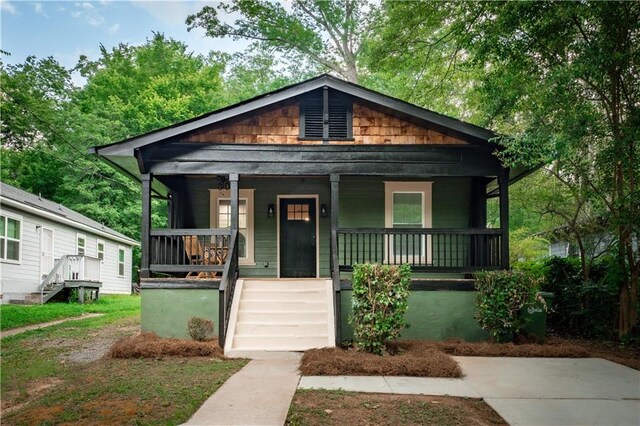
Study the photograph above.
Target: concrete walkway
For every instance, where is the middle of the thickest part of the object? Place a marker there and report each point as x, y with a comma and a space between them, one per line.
19, 330
524, 391
258, 394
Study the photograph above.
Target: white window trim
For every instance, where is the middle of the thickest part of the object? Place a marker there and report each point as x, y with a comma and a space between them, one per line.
124, 262
104, 249
84, 237
244, 194
426, 188
20, 241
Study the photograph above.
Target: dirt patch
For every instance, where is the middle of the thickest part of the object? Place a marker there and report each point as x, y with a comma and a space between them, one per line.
39, 415
315, 407
149, 345
416, 360
93, 352
34, 389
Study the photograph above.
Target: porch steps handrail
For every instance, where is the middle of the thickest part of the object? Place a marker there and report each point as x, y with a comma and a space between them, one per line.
69, 267
227, 288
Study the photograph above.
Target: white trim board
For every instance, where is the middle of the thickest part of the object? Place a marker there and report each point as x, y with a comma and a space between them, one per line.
287, 196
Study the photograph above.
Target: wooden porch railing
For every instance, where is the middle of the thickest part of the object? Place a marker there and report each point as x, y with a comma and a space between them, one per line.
425, 249
71, 268
188, 250
227, 288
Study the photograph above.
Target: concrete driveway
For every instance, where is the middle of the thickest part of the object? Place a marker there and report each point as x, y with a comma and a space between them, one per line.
554, 391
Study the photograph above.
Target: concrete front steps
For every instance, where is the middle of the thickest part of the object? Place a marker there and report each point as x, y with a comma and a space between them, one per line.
280, 315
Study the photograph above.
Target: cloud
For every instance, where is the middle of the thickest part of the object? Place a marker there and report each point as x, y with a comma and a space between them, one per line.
8, 7
88, 14
113, 29
39, 9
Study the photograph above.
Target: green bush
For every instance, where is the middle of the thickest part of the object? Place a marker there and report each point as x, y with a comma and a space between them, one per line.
500, 299
379, 302
200, 328
582, 308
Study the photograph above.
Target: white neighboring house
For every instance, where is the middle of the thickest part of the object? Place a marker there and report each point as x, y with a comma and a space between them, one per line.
41, 240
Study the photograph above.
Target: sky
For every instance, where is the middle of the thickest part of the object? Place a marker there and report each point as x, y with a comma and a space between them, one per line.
68, 29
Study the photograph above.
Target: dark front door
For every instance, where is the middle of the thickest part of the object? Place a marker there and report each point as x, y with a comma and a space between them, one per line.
297, 237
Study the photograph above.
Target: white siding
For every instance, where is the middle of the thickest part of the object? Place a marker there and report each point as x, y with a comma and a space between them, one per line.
19, 279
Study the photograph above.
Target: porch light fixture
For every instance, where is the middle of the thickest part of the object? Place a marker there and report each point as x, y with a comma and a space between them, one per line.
271, 210
323, 210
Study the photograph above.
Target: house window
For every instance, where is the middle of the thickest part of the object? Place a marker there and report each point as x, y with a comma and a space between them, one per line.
120, 261
221, 218
312, 118
408, 205
10, 236
81, 244
100, 250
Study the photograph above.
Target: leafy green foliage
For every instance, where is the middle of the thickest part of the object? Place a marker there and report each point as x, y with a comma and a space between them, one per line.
582, 308
500, 299
380, 302
326, 34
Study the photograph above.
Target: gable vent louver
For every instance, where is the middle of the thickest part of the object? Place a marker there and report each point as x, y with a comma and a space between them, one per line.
312, 119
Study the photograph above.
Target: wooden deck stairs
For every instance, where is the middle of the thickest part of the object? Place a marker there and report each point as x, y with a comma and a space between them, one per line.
280, 315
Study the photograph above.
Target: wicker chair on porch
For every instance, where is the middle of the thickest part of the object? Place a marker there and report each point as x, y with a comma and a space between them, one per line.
197, 254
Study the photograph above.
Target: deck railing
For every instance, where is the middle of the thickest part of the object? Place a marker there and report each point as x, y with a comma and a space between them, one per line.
227, 288
425, 249
71, 268
188, 250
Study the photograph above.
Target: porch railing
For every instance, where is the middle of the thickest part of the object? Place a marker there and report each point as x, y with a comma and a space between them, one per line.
71, 268
227, 288
425, 249
188, 250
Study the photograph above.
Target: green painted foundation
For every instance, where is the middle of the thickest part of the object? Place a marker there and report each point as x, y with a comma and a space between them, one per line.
432, 315
167, 311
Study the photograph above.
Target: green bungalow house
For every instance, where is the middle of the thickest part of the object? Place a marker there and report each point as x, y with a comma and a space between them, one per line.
272, 200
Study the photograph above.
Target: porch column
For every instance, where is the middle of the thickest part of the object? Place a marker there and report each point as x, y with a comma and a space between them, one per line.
145, 237
335, 267
503, 182
234, 200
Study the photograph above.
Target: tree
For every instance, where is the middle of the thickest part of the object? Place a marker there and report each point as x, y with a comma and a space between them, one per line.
327, 34
562, 80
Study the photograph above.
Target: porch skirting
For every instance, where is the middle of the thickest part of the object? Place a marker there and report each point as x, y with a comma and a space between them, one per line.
433, 314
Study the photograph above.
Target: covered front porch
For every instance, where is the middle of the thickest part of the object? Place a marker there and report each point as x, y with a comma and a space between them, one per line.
223, 226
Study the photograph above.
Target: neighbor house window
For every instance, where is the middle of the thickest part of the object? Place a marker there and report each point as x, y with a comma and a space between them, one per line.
100, 250
121, 261
312, 118
10, 236
221, 218
81, 244
408, 206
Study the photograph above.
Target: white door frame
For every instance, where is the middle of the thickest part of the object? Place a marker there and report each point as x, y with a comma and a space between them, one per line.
314, 196
53, 247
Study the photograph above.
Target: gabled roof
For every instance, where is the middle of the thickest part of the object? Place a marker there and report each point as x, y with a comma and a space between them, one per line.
34, 204
127, 146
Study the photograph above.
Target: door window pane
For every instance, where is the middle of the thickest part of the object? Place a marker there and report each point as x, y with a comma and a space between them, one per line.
298, 212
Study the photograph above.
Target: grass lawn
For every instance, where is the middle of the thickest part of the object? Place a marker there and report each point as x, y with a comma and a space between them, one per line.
323, 407
58, 374
12, 316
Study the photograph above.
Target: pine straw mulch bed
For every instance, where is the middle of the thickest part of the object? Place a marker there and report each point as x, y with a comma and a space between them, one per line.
433, 359
149, 345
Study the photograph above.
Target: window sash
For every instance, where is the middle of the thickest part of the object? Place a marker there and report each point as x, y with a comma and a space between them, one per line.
100, 250
121, 259
10, 238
